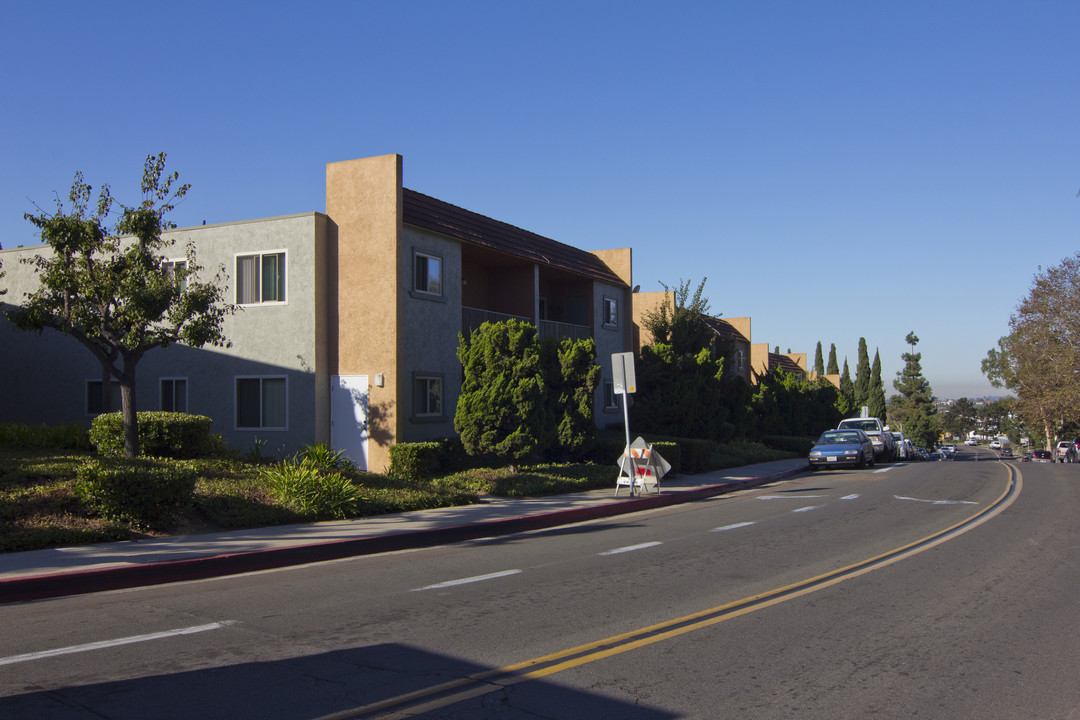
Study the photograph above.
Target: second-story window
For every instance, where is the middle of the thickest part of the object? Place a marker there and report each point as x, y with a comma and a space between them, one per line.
611, 312
173, 268
427, 274
260, 278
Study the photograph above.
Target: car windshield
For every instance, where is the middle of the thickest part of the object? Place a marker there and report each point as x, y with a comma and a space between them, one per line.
861, 424
834, 438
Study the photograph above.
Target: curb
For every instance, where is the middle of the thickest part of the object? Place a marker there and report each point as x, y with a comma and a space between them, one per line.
79, 582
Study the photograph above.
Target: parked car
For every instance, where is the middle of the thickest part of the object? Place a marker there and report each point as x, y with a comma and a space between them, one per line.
903, 446
1043, 456
1066, 452
880, 434
951, 447
842, 448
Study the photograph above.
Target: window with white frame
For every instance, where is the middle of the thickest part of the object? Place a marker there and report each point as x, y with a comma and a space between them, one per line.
611, 312
427, 274
260, 278
174, 267
94, 397
173, 395
427, 396
261, 403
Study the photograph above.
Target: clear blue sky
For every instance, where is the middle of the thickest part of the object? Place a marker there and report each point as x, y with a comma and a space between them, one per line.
836, 170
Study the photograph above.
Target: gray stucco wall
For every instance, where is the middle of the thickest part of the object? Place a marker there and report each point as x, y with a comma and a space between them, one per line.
429, 330
43, 376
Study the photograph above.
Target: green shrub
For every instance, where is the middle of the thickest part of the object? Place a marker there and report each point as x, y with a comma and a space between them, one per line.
309, 489
26, 437
149, 493
322, 456
161, 434
790, 443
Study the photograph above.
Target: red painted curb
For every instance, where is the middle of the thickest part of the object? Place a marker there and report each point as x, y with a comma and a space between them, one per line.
77, 582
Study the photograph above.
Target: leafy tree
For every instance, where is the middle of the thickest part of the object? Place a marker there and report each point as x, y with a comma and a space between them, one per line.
681, 324
877, 389
832, 368
680, 394
862, 376
819, 361
960, 418
572, 377
788, 404
502, 408
1039, 359
913, 410
109, 288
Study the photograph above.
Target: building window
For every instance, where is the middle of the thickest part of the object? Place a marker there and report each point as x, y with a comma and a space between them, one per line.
94, 404
611, 312
611, 398
741, 357
427, 396
174, 395
261, 403
172, 267
427, 274
260, 278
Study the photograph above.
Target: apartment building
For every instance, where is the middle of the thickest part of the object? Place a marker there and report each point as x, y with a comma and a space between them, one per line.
347, 321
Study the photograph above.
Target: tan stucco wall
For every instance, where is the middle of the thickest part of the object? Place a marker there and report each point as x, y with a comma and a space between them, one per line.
620, 261
364, 201
644, 303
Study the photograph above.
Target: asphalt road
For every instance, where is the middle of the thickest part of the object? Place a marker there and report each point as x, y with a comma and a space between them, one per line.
930, 590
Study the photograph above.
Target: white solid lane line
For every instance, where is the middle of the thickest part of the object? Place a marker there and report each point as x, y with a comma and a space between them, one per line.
807, 508
466, 581
630, 548
113, 643
849, 497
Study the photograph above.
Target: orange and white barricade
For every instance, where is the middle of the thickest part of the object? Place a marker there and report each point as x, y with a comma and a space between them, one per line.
639, 466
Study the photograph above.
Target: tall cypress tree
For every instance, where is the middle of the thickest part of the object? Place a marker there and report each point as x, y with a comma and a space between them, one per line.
832, 368
847, 389
877, 390
862, 377
819, 361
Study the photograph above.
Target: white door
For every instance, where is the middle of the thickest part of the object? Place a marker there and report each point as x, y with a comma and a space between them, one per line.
348, 416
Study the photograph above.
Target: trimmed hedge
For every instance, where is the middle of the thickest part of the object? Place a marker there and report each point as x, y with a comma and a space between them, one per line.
424, 460
147, 493
161, 434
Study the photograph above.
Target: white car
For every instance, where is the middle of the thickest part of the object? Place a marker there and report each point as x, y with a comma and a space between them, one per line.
971, 441
995, 445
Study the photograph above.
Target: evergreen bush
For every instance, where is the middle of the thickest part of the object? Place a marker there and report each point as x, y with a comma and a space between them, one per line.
149, 493
161, 434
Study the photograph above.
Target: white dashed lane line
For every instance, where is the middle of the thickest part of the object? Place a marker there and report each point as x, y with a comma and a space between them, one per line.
736, 526
466, 581
630, 548
103, 644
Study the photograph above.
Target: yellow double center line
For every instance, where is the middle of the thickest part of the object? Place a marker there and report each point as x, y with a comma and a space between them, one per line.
482, 683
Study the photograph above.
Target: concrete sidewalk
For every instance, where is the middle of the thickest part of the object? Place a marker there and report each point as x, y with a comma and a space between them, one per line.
57, 572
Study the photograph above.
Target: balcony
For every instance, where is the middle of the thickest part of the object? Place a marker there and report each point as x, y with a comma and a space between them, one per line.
472, 318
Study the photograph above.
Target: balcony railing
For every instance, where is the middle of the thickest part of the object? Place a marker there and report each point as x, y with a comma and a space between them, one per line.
560, 330
472, 318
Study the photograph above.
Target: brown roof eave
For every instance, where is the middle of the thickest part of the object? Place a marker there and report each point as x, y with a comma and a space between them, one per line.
428, 213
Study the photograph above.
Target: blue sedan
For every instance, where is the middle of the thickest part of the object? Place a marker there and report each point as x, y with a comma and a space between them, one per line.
851, 448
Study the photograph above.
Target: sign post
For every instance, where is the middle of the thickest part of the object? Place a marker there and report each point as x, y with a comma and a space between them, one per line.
623, 383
